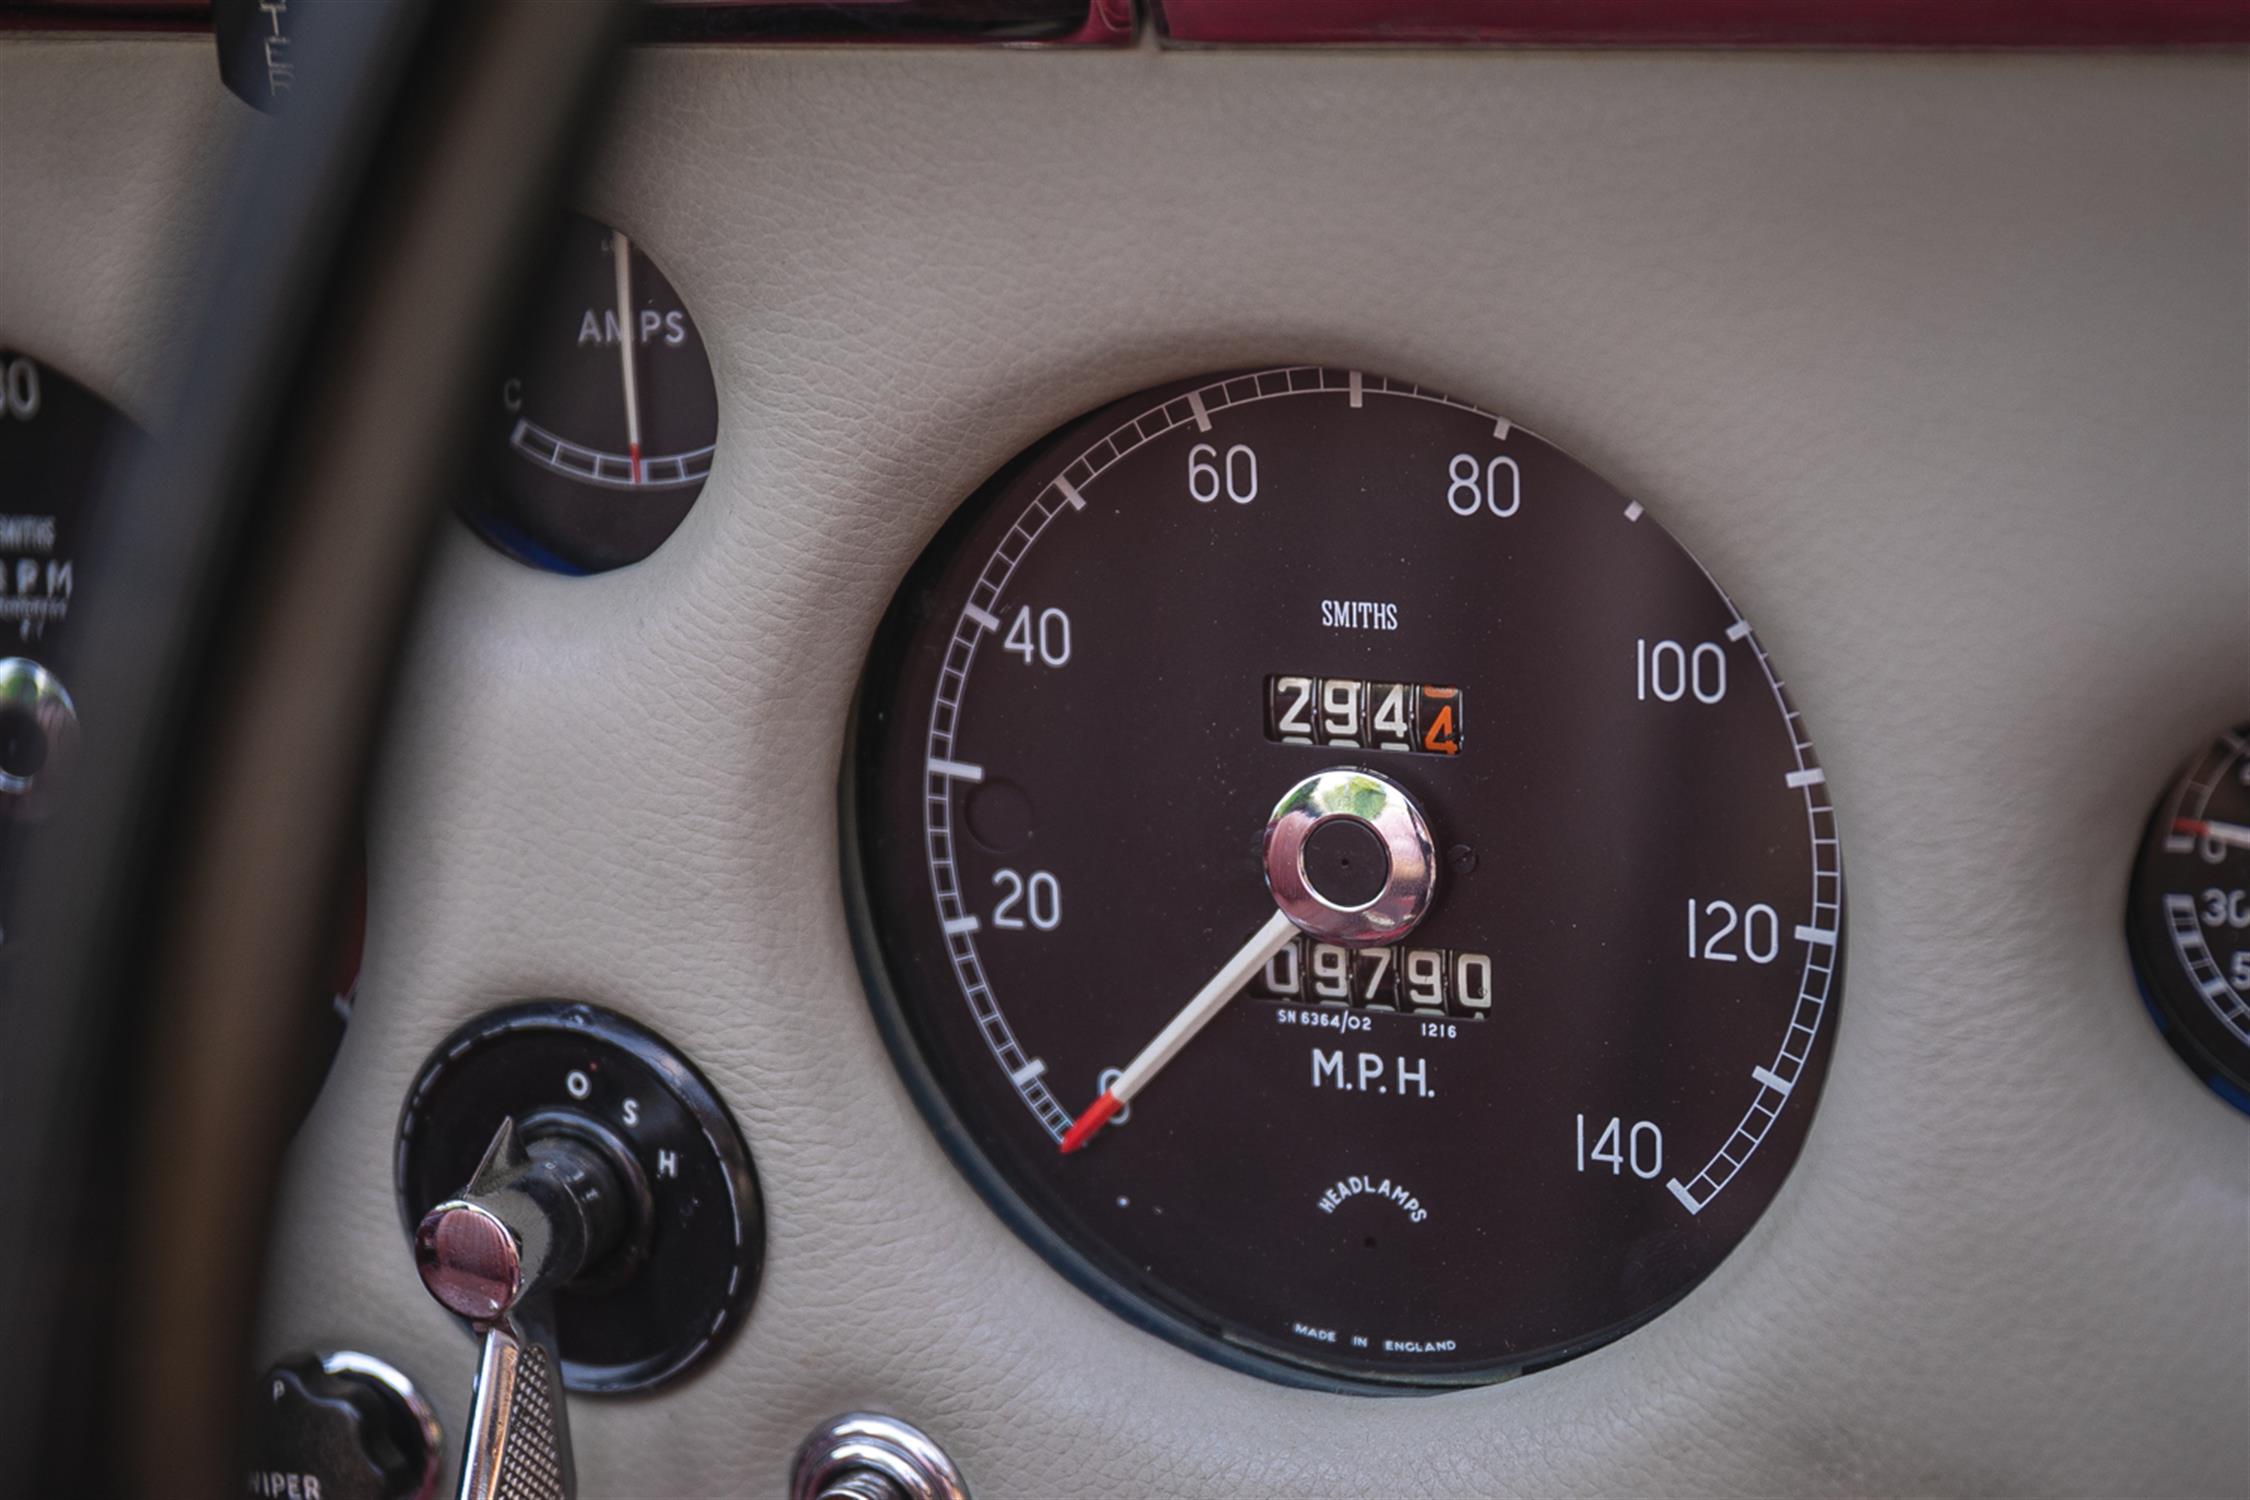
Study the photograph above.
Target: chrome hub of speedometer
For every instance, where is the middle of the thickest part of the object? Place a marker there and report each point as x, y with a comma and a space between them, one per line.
1348, 858
1491, 1038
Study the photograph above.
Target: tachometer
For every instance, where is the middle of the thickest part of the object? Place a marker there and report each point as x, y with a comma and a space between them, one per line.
59, 445
1344, 882
62, 450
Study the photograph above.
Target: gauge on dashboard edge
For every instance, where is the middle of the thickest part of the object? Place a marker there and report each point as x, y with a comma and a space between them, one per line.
2188, 916
62, 448
1346, 885
59, 445
610, 415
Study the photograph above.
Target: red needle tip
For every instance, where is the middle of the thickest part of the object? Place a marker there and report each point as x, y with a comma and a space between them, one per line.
635, 453
2190, 825
1096, 1116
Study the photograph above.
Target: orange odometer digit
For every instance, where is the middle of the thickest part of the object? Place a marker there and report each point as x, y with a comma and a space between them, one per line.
1441, 713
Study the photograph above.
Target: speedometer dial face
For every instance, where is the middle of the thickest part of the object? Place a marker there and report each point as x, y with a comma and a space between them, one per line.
1345, 883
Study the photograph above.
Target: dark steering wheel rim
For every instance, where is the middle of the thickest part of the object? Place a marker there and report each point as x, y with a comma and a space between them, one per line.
257, 584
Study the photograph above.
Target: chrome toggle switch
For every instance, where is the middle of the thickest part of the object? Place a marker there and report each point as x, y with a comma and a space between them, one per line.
868, 1456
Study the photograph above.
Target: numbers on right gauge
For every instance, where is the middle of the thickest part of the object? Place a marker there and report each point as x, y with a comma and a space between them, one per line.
1721, 932
1670, 671
1621, 1146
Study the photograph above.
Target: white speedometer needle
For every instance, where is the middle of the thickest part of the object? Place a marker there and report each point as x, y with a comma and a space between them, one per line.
622, 249
1232, 976
2236, 834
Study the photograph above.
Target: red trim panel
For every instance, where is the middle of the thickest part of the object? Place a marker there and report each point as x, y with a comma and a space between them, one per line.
1038, 22
1365, 23
1707, 23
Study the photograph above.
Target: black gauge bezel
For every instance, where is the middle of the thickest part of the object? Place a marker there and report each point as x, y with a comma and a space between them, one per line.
2173, 1006
1147, 1307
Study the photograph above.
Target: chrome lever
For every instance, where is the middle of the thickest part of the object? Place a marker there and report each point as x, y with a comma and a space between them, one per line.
518, 1446
527, 1224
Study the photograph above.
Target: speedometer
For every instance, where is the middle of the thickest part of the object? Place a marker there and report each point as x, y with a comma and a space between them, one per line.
1343, 881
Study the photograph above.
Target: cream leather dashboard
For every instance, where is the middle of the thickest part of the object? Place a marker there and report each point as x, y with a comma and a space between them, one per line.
1941, 363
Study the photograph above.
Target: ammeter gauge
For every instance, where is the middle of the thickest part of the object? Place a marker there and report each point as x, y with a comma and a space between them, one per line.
609, 419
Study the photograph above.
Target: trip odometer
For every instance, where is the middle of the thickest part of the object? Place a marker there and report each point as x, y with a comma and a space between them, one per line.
1344, 882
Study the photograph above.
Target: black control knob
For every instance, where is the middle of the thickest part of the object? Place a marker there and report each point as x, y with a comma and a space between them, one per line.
341, 1426
606, 1238
634, 1206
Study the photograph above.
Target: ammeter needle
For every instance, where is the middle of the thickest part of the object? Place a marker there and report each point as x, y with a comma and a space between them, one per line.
2219, 833
1232, 976
622, 249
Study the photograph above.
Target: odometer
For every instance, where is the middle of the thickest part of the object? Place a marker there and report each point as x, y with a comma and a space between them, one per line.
1298, 1014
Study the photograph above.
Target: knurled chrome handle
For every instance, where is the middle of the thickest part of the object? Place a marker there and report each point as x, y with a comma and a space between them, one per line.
518, 1446
529, 1221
